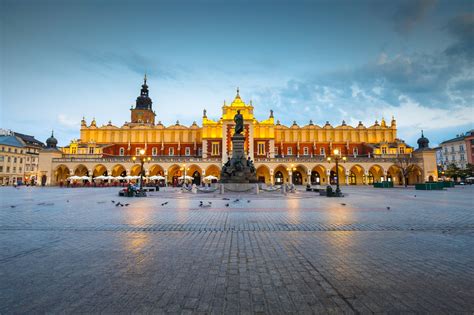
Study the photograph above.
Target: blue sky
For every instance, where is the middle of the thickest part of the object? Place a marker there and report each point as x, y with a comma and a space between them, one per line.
319, 60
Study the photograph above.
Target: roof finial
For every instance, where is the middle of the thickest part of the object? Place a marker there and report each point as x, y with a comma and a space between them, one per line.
52, 132
144, 79
422, 133
238, 91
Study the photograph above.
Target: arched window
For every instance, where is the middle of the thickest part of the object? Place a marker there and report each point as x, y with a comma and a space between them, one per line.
315, 178
370, 178
122, 152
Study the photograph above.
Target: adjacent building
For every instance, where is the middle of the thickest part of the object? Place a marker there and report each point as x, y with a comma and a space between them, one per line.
282, 154
458, 151
19, 158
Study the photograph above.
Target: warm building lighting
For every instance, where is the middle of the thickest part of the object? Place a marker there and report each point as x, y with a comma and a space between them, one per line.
336, 152
142, 151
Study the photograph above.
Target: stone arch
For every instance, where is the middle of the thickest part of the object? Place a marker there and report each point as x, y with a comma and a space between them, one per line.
81, 170
136, 169
155, 170
61, 173
356, 175
415, 175
318, 175
395, 175
213, 170
280, 175
174, 172
299, 174
376, 174
119, 170
195, 172
341, 173
99, 170
263, 174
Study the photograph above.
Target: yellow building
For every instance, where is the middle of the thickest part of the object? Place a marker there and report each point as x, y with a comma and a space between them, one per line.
282, 154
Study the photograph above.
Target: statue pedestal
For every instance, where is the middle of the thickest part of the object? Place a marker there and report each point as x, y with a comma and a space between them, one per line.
237, 170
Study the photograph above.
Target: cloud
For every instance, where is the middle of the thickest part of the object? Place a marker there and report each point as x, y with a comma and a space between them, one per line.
67, 122
409, 13
462, 29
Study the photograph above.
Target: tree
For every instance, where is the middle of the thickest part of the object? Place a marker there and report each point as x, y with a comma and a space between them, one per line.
406, 164
453, 171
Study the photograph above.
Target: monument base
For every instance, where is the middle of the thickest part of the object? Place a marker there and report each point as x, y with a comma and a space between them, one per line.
239, 188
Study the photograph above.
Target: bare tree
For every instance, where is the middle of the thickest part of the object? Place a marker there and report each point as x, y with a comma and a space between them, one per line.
406, 164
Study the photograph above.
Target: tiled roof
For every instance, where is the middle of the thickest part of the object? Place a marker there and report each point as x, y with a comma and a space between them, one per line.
12, 141
29, 139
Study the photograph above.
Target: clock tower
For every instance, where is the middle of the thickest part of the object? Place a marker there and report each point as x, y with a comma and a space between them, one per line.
143, 112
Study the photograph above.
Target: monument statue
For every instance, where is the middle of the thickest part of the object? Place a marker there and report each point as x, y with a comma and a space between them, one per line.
238, 169
239, 122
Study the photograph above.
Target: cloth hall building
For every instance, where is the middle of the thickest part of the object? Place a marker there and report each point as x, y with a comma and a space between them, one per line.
282, 154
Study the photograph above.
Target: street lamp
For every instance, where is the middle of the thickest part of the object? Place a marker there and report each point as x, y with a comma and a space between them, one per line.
142, 159
337, 157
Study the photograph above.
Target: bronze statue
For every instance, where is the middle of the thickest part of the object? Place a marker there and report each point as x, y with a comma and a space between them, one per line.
239, 122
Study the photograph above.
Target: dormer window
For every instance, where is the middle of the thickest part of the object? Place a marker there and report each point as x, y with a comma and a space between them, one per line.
122, 152
321, 151
401, 150
154, 151
384, 150
355, 151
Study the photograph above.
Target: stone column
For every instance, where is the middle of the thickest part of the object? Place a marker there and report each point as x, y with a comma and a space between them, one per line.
224, 142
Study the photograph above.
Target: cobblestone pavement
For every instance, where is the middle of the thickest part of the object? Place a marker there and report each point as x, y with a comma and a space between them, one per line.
74, 251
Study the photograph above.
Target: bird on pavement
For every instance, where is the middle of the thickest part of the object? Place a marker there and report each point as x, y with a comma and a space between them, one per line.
388, 208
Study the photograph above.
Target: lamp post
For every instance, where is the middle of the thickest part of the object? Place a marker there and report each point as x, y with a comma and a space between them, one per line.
142, 159
337, 158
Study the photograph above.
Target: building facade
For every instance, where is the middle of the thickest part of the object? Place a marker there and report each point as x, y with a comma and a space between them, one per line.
19, 158
458, 151
282, 154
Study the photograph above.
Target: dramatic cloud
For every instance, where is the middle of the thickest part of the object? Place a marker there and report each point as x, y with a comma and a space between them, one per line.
462, 28
411, 12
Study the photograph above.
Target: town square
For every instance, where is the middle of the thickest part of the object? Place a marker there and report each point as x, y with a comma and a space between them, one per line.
236, 157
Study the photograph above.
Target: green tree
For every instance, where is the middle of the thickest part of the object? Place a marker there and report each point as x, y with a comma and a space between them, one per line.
453, 171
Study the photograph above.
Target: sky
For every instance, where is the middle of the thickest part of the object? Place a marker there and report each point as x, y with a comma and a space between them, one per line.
320, 60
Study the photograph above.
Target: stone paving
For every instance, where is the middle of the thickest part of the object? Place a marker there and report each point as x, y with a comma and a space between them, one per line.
74, 251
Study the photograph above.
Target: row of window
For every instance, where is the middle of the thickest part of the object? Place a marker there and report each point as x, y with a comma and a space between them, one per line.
453, 158
187, 151
9, 159
10, 150
8, 169
461, 149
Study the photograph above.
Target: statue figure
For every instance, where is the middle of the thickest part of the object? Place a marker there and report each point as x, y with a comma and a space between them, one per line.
239, 122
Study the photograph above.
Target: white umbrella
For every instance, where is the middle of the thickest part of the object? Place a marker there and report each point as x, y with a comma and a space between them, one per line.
156, 177
187, 177
85, 177
109, 177
210, 177
74, 177
119, 177
101, 177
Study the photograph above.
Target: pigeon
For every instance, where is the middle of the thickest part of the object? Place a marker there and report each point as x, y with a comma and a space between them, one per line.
12, 206
127, 204
164, 203
117, 204
248, 201
209, 202
388, 208
226, 204
415, 195
343, 204
236, 200
225, 199
113, 201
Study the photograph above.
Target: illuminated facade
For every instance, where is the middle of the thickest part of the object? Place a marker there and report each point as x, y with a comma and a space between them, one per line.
282, 154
